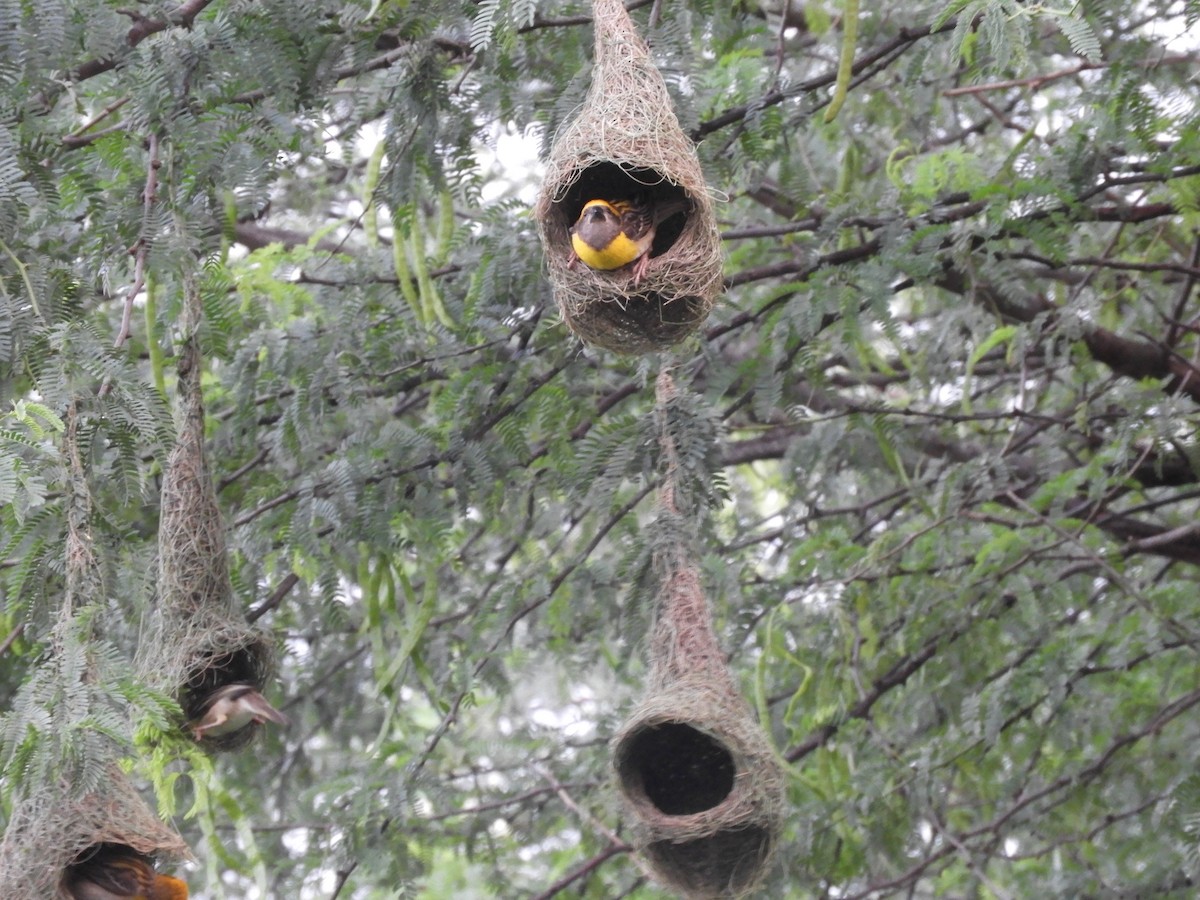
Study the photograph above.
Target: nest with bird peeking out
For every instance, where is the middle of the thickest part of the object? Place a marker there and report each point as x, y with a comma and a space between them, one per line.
199, 639
93, 804
696, 772
626, 142
48, 834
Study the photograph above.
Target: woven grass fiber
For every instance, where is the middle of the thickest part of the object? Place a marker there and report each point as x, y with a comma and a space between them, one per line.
55, 825
696, 773
198, 638
54, 829
625, 141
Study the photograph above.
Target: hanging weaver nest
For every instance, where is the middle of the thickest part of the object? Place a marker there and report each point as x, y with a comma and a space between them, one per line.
199, 638
54, 825
54, 830
696, 772
625, 142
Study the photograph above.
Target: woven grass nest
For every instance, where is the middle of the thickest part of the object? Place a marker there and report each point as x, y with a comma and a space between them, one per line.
199, 639
695, 771
625, 142
53, 829
55, 824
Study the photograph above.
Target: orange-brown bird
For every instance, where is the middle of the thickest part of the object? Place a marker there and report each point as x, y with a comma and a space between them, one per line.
119, 873
231, 708
612, 234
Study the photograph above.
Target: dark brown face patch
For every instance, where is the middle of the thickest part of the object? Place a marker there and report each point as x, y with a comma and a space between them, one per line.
598, 227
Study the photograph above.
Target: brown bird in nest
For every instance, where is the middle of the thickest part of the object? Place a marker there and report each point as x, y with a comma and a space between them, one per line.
115, 872
233, 707
612, 234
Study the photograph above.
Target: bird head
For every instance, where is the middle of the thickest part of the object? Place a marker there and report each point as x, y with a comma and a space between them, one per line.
598, 223
167, 888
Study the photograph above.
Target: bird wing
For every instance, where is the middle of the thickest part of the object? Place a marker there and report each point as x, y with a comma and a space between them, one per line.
637, 218
120, 876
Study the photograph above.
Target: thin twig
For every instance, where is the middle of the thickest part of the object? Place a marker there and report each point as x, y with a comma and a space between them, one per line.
1173, 332
584, 815
343, 876
74, 137
573, 876
567, 21
1036, 81
12, 636
141, 248
655, 15
290, 580
229, 479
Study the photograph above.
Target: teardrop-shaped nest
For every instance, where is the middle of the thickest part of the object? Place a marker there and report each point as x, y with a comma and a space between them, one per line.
198, 639
625, 143
696, 772
703, 789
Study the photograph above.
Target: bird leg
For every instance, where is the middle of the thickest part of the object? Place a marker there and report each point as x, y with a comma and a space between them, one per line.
198, 730
640, 265
572, 259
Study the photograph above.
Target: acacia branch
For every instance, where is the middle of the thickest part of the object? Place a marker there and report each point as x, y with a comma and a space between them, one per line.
1037, 81
181, 16
583, 870
895, 677
1064, 786
891, 49
282, 590
253, 236
141, 248
565, 21
1130, 357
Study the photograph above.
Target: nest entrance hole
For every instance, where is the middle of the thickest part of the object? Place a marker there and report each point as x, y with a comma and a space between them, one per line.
678, 768
105, 850
214, 671
613, 181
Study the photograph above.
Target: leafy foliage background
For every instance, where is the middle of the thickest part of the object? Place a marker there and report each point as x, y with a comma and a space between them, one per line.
942, 429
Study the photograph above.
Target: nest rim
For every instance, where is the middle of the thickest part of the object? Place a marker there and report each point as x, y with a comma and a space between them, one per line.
691, 865
740, 803
211, 669
676, 802
606, 308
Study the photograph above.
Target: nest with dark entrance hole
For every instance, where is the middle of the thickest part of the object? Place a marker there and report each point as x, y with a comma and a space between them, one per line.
57, 829
55, 824
625, 142
198, 639
696, 772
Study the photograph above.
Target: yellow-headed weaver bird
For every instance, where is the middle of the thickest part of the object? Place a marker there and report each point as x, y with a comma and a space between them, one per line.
612, 234
231, 708
116, 872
